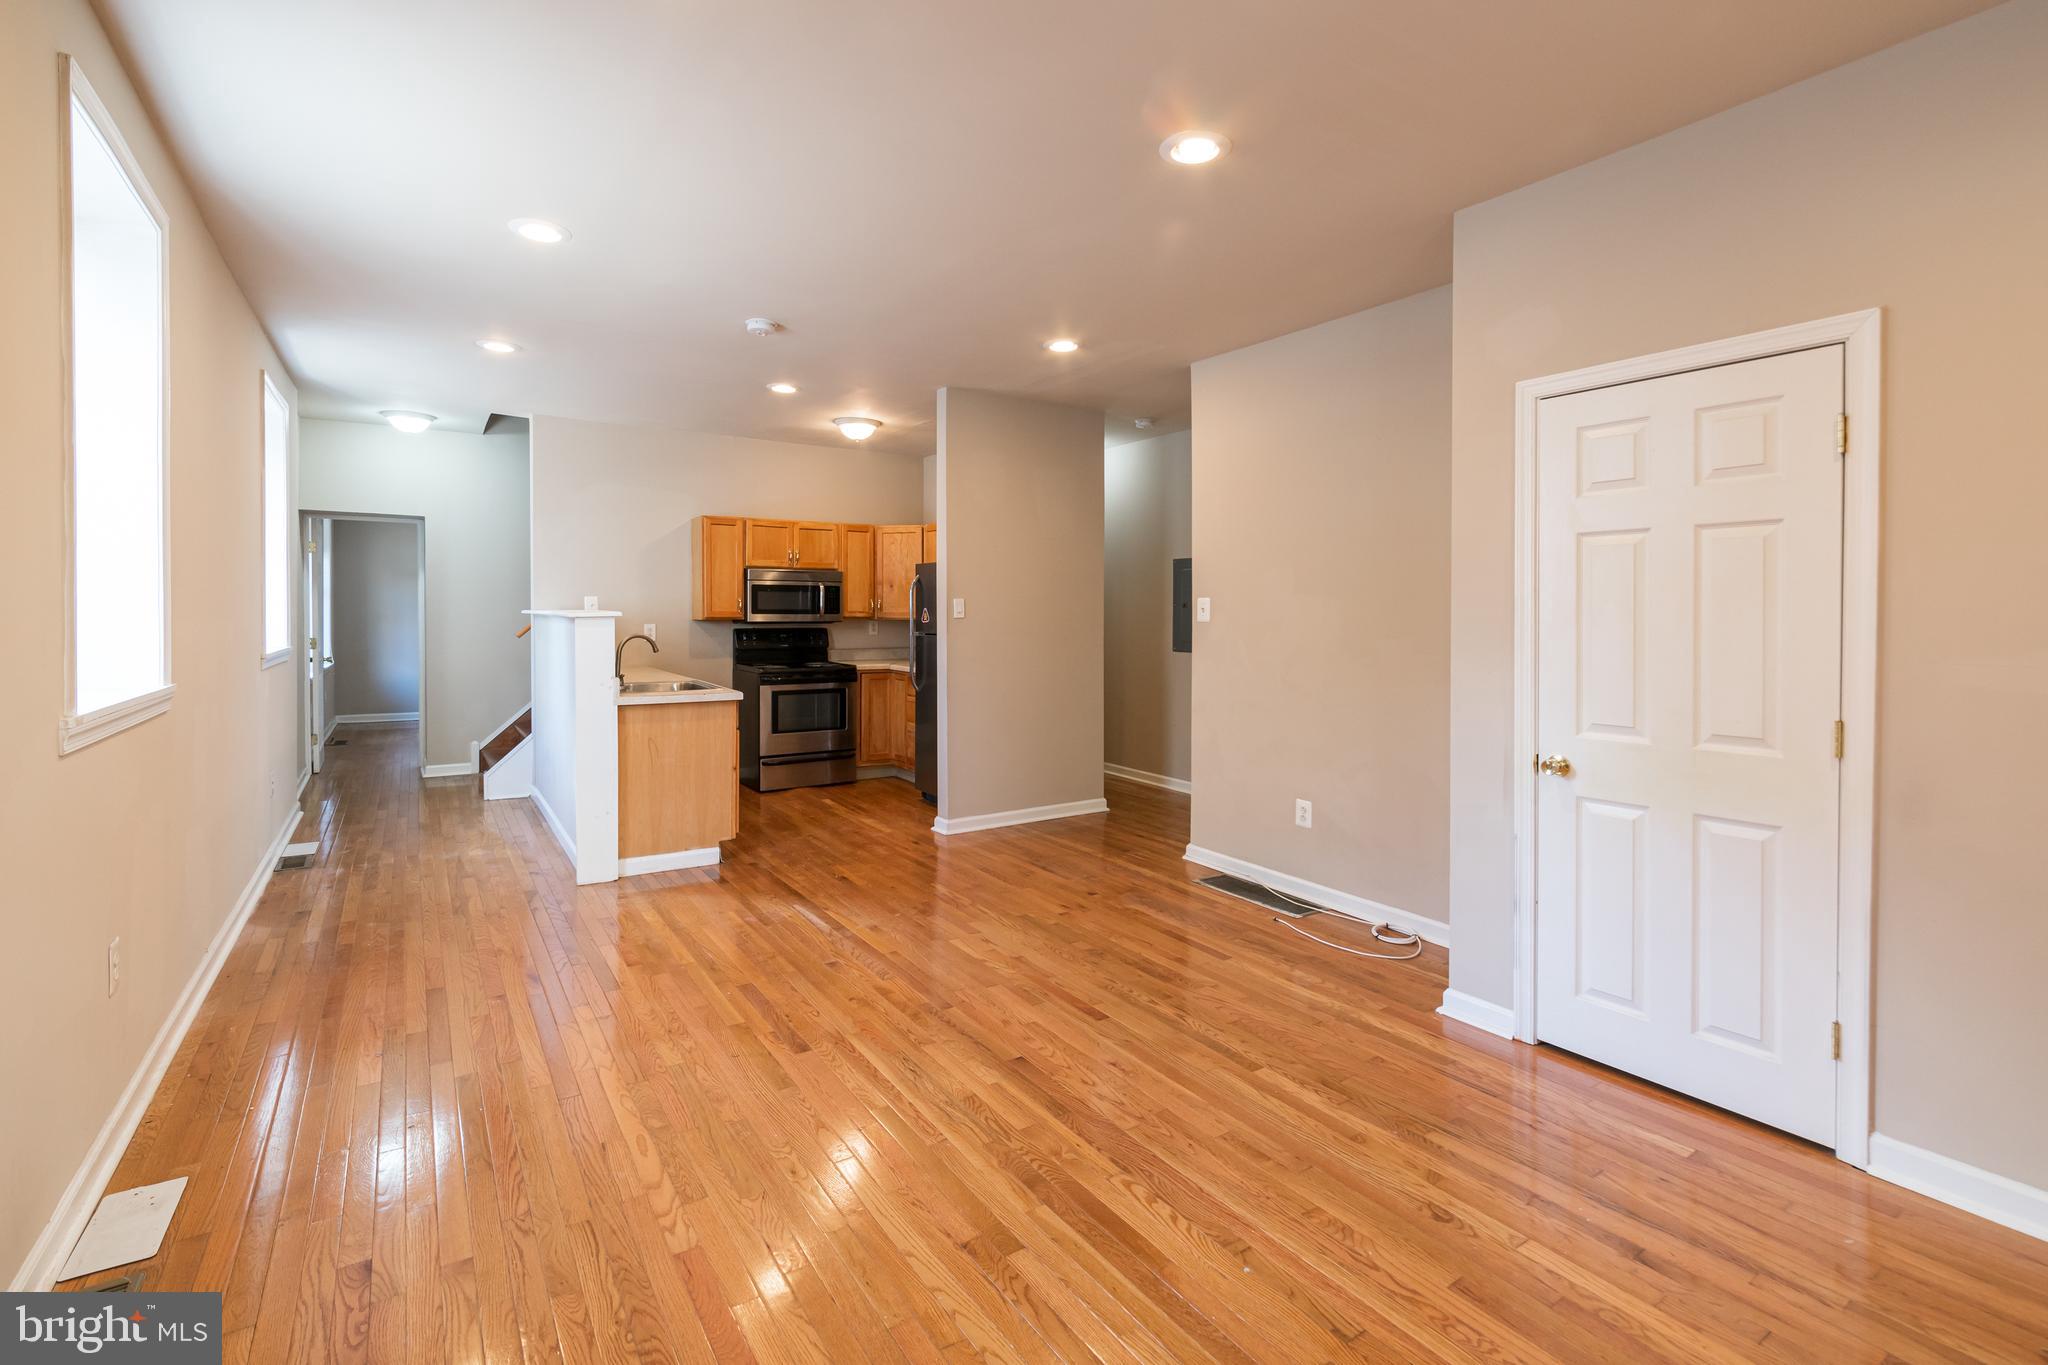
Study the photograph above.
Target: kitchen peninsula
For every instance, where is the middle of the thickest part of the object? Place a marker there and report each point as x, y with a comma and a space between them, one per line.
631, 778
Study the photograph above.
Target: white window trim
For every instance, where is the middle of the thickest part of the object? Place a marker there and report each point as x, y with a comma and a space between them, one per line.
264, 391
75, 731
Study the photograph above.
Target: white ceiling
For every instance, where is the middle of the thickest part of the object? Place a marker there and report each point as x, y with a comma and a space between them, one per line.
922, 192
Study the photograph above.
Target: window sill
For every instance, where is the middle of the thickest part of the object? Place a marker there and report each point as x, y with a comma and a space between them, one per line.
276, 657
75, 732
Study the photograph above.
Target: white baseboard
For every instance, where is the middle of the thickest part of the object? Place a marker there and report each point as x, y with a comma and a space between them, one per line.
328, 733
376, 717
1343, 902
547, 816
450, 769
1498, 1020
75, 1208
968, 824
1172, 784
2003, 1200
668, 862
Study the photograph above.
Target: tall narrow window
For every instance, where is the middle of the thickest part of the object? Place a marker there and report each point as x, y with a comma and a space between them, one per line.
277, 527
119, 619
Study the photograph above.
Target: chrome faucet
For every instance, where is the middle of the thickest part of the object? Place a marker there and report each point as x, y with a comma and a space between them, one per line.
619, 655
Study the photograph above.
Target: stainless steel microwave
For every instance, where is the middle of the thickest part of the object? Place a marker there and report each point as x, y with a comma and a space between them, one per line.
790, 595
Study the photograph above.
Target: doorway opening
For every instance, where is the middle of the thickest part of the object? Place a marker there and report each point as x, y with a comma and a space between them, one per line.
366, 648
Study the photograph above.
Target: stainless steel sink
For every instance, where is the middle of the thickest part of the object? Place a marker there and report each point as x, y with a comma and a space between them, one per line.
636, 689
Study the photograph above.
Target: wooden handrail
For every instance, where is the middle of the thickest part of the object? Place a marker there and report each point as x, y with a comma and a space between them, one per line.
522, 631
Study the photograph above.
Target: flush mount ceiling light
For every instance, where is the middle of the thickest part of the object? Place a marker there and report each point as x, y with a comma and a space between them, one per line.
856, 428
411, 423
782, 388
498, 346
1063, 346
762, 327
1193, 148
539, 230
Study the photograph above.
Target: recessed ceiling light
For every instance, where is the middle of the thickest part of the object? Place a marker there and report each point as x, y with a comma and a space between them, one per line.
782, 388
856, 428
1194, 149
497, 346
539, 230
1063, 346
411, 423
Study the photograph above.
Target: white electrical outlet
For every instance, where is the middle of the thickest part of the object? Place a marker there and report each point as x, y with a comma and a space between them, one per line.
959, 607
1201, 608
1304, 813
648, 630
874, 627
114, 965
590, 604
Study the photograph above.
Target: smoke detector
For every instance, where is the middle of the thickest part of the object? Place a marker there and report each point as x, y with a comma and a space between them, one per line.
1142, 423
762, 327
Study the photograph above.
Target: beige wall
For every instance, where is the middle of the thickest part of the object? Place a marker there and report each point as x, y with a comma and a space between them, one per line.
1147, 523
153, 834
1913, 181
612, 507
1020, 541
473, 494
376, 622
1322, 539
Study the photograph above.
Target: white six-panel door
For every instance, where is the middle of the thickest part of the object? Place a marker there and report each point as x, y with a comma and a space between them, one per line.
1689, 672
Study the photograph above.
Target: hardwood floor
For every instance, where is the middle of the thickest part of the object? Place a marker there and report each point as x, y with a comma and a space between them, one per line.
867, 1094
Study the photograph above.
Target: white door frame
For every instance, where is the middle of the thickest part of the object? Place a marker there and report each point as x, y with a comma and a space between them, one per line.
1860, 336
419, 525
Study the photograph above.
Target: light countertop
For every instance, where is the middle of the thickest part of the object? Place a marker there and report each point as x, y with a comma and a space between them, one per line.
670, 698
885, 663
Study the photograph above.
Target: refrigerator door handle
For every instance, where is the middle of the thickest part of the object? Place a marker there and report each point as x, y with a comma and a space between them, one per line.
916, 682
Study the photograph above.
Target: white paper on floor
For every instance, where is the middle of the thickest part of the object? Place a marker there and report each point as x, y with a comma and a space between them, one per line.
126, 1227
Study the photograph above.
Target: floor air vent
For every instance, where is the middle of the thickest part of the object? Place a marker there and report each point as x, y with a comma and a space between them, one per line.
1259, 895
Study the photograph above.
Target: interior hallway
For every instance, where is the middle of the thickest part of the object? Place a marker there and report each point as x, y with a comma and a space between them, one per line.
862, 1093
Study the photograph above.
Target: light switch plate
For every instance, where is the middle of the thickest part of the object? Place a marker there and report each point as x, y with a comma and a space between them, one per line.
590, 604
959, 607
1201, 608
648, 630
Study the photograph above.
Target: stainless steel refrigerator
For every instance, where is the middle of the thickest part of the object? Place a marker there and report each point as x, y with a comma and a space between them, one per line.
924, 675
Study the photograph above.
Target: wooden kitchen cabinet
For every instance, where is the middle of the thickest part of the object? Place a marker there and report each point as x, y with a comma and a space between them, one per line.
857, 548
931, 543
896, 558
771, 544
679, 777
888, 721
718, 555
816, 544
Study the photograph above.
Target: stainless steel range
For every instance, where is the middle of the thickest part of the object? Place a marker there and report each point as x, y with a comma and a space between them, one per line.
799, 712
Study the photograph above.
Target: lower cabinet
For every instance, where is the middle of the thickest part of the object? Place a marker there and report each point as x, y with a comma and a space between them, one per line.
888, 721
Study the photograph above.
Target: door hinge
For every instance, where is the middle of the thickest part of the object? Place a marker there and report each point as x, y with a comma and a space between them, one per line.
1835, 1040
1838, 739
1841, 433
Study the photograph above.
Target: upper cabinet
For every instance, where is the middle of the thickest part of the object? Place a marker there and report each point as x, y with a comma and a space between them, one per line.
857, 550
771, 544
896, 559
878, 563
817, 545
717, 547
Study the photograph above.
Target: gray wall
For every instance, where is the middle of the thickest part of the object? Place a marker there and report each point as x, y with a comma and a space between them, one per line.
472, 493
1913, 181
1147, 523
1020, 540
1322, 537
376, 623
613, 506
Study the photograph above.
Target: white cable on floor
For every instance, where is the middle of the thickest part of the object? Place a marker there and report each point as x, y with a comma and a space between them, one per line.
1383, 932
1398, 937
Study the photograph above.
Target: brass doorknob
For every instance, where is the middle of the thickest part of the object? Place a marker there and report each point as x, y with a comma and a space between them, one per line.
1557, 765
